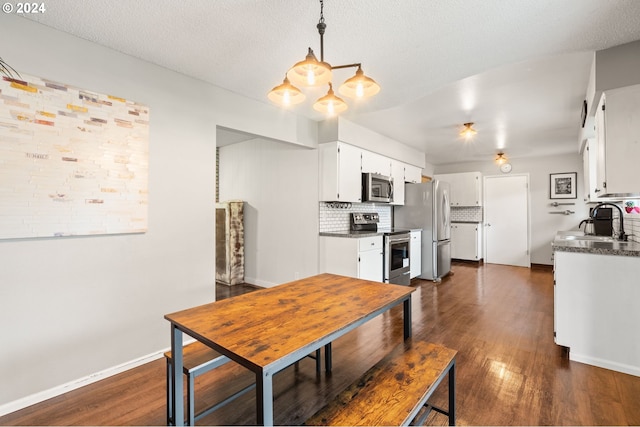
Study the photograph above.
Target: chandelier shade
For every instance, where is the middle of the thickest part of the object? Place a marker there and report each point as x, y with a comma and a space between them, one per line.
330, 104
310, 72
286, 94
359, 86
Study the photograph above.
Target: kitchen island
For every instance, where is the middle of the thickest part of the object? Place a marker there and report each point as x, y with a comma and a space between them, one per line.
597, 302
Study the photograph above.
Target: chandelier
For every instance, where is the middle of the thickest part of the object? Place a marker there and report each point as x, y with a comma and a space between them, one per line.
313, 73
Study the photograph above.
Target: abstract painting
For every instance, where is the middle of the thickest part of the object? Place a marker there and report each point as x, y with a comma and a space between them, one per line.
72, 162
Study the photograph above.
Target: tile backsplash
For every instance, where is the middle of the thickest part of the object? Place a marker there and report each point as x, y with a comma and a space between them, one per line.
335, 216
466, 214
631, 226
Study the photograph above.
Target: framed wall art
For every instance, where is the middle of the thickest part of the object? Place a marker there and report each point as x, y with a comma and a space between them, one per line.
72, 161
563, 185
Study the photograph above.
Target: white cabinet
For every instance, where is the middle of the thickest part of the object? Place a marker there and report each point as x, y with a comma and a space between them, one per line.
466, 188
617, 124
376, 163
340, 176
412, 174
589, 169
415, 254
353, 257
466, 241
595, 309
397, 173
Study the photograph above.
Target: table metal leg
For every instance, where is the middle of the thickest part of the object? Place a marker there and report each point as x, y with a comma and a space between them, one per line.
407, 317
264, 398
177, 383
327, 358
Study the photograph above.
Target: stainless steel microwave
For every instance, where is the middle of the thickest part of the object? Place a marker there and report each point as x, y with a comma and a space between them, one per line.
377, 188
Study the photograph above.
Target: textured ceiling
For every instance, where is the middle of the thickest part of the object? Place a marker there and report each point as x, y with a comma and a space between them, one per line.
517, 68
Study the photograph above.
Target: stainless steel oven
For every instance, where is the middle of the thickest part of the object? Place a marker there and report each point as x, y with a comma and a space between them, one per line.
396, 257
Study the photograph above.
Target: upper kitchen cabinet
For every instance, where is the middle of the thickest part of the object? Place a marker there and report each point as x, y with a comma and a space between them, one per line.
376, 163
340, 175
466, 188
412, 174
397, 173
589, 167
617, 121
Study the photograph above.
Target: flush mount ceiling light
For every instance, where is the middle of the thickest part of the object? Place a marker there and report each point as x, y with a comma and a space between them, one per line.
312, 73
468, 131
502, 158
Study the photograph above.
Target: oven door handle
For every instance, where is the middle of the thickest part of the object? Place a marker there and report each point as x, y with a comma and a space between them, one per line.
400, 240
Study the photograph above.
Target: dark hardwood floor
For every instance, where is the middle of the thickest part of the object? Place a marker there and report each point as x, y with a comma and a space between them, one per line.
499, 318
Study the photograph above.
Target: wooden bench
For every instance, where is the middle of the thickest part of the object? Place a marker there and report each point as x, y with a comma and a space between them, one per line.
197, 360
395, 390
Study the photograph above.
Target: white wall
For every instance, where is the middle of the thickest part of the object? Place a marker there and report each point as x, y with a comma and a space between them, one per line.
73, 307
279, 184
543, 224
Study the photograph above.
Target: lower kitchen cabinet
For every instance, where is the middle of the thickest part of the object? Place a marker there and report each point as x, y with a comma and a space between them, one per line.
596, 309
415, 254
354, 257
466, 241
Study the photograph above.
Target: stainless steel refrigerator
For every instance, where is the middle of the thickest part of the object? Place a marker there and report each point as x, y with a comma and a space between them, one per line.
426, 206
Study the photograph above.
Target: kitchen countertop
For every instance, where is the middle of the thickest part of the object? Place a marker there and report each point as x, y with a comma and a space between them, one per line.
358, 234
597, 247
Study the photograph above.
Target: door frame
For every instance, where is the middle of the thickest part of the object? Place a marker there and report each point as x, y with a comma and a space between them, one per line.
484, 217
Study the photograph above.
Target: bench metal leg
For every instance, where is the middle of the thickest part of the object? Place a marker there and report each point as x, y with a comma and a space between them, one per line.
170, 392
191, 410
452, 394
327, 357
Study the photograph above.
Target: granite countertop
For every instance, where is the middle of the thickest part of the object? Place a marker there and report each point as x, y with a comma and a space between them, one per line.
596, 247
350, 234
358, 234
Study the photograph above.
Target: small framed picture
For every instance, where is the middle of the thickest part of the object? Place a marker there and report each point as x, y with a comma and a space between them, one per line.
563, 185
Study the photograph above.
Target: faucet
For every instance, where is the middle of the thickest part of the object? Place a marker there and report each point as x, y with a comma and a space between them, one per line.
621, 234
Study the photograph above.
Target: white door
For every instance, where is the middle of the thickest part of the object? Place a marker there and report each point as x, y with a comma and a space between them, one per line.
506, 220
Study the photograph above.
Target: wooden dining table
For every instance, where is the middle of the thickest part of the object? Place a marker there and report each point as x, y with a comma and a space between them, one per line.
270, 329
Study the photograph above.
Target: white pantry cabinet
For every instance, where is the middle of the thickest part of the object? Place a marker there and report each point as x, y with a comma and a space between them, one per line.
466, 188
340, 175
415, 254
354, 257
617, 122
466, 241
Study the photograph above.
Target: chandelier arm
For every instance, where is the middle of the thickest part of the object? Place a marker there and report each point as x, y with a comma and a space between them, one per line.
346, 66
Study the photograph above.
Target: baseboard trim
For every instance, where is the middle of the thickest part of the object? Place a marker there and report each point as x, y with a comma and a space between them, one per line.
606, 364
41, 396
260, 283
